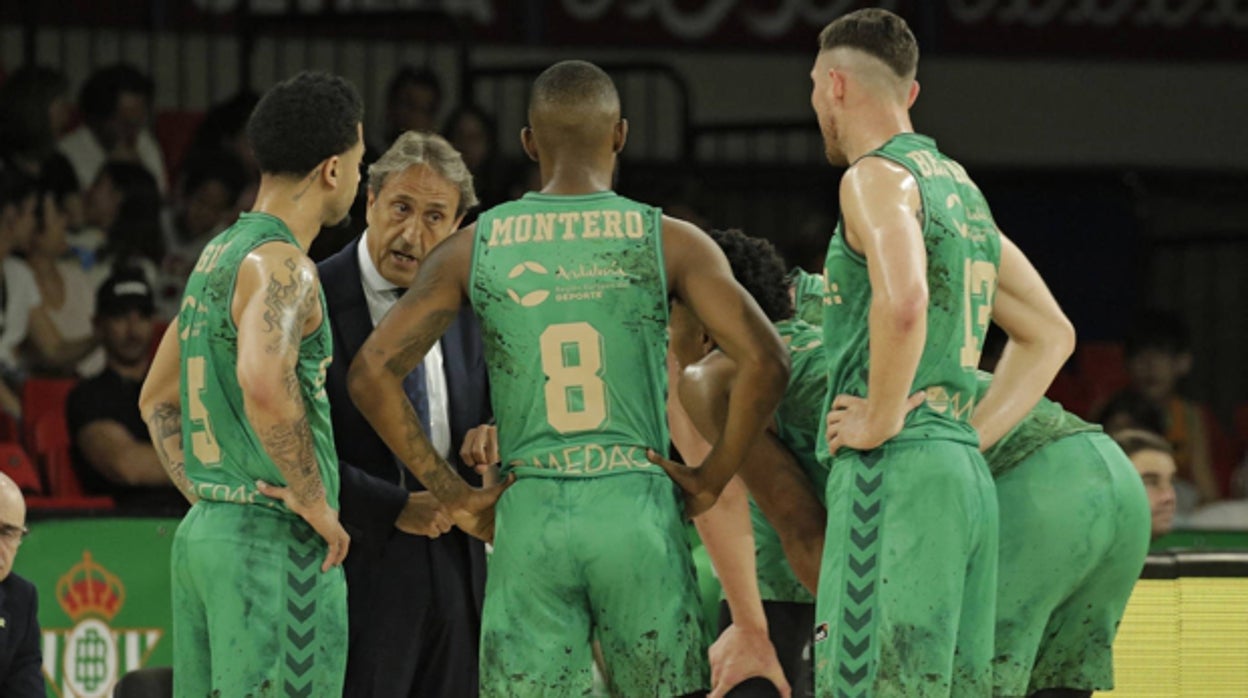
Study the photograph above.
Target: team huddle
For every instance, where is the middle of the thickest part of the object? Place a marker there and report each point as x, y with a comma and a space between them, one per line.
885, 519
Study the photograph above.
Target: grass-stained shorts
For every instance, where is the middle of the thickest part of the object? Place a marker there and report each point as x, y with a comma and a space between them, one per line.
909, 574
1074, 532
603, 558
253, 615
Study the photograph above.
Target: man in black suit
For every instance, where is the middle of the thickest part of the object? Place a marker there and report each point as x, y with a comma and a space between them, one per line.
414, 603
21, 660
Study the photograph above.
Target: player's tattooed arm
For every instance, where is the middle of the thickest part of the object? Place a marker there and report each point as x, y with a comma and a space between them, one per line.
271, 324
161, 408
396, 345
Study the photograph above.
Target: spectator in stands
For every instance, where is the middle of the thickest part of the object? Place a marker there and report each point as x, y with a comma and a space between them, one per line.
1129, 410
1158, 357
24, 318
475, 135
413, 100
116, 107
126, 204
111, 450
21, 657
1154, 460
34, 113
204, 203
224, 128
67, 293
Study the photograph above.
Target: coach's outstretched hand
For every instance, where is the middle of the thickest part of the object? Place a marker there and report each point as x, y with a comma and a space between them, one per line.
320, 516
475, 512
699, 494
741, 654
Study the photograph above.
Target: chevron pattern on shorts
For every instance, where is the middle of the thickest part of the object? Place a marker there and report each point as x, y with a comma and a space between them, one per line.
857, 614
299, 637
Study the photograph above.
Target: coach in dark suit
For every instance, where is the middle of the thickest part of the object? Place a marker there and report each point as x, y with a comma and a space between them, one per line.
21, 660
414, 602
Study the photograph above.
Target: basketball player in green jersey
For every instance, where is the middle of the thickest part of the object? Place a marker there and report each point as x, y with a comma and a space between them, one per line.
572, 287
236, 394
1075, 527
766, 602
915, 271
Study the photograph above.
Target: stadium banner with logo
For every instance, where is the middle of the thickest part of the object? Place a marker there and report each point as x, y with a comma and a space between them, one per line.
104, 599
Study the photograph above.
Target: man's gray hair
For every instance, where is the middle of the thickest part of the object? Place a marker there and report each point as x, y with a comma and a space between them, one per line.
417, 148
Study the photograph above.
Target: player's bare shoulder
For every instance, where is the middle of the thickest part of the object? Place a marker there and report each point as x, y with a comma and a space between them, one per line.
283, 278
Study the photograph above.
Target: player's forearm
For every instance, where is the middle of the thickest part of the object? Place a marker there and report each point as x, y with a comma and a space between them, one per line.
898, 330
274, 408
789, 501
1019, 381
729, 539
164, 424
377, 393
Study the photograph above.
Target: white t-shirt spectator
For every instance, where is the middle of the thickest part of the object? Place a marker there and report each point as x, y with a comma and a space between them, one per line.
74, 319
87, 156
21, 295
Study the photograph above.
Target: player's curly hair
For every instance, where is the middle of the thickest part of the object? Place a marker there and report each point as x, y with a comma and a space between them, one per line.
760, 269
304, 120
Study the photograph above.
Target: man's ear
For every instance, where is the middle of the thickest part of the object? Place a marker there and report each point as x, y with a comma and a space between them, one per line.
330, 169
529, 143
914, 94
621, 135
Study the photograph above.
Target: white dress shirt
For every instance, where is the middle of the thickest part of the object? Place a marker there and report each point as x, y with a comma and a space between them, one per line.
379, 294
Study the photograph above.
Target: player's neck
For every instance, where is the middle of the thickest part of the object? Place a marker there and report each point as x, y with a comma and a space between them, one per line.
570, 178
873, 129
292, 203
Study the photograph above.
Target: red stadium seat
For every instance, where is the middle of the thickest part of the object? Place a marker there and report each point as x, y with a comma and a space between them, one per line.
1102, 370
42, 396
174, 129
50, 445
17, 465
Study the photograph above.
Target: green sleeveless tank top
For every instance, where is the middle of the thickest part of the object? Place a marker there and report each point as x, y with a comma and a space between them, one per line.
572, 296
224, 457
963, 253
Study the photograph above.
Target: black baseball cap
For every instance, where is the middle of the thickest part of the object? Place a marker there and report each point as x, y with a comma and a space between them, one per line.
123, 292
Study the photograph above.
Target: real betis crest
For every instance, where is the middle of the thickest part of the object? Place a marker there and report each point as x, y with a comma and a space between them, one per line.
104, 599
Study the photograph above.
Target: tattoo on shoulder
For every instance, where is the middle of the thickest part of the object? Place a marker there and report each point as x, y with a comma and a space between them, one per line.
286, 301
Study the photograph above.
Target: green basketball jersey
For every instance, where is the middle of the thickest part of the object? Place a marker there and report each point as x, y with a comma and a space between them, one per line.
1045, 423
807, 296
571, 292
963, 253
224, 457
798, 423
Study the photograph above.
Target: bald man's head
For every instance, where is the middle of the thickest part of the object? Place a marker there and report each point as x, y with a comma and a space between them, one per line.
574, 103
12, 523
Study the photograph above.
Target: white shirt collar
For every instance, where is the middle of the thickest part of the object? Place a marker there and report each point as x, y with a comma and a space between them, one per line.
373, 280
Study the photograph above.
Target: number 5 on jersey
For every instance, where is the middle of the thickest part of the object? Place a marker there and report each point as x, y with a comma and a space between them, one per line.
203, 440
576, 397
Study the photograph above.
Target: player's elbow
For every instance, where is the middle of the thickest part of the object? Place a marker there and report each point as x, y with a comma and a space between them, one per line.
1064, 337
262, 388
363, 380
906, 310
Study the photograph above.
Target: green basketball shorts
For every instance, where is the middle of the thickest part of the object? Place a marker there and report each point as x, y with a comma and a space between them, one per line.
577, 559
908, 579
253, 615
1074, 532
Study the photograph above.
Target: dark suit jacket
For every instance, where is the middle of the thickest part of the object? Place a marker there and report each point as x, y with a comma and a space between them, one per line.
371, 495
21, 660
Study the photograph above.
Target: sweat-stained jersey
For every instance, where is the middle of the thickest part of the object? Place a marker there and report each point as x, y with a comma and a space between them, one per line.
571, 292
224, 457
